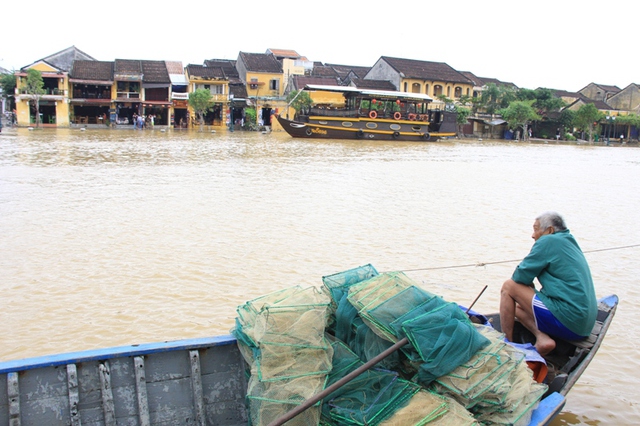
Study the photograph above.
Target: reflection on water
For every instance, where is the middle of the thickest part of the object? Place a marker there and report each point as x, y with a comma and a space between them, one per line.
121, 237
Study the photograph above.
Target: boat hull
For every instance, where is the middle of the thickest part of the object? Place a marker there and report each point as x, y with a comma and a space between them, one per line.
361, 129
194, 382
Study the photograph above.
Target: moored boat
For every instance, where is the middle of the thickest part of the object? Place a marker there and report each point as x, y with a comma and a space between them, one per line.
198, 382
372, 115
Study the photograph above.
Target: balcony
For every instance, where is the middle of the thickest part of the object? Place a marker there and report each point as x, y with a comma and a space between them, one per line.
219, 97
128, 96
47, 92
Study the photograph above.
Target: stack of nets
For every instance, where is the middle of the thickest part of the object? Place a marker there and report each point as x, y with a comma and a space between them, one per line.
495, 385
452, 372
383, 397
282, 339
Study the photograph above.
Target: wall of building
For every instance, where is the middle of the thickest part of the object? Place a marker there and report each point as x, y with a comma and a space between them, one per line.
381, 70
627, 100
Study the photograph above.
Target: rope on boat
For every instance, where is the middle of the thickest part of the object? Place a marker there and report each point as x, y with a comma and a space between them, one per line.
467, 265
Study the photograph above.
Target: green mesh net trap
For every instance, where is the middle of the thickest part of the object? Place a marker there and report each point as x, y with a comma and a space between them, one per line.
298, 341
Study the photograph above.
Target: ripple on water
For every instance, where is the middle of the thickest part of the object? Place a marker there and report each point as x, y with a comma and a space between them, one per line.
113, 238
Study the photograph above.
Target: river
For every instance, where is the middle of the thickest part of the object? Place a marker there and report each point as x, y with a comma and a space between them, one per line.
123, 237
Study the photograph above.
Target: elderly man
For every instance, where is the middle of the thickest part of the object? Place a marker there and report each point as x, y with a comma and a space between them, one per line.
565, 306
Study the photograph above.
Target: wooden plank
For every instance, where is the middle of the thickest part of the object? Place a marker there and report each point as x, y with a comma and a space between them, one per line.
74, 396
196, 384
13, 392
108, 406
141, 391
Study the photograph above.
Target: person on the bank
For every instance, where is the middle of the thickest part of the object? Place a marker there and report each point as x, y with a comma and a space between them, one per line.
565, 306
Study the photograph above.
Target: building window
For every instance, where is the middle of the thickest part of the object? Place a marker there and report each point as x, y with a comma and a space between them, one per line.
415, 88
274, 84
405, 87
457, 92
448, 91
426, 89
437, 90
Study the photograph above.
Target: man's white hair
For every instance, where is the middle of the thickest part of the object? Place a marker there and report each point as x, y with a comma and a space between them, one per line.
553, 220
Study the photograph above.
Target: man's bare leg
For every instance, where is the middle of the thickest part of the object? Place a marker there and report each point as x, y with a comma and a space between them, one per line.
544, 343
515, 301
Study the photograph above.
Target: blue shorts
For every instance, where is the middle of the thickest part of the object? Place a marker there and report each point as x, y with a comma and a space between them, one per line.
549, 324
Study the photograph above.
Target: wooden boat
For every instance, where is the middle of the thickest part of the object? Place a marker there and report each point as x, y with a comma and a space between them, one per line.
372, 115
196, 382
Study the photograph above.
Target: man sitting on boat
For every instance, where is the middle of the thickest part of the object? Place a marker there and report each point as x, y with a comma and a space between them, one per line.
565, 307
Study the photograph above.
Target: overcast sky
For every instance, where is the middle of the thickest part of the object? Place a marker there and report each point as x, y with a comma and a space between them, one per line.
560, 44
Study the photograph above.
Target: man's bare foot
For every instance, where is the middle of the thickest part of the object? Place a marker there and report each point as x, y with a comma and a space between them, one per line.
544, 344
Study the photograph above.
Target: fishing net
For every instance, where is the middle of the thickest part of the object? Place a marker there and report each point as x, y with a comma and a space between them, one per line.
298, 341
282, 338
495, 385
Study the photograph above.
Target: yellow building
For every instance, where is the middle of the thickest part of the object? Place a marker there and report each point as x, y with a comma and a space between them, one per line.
53, 105
213, 79
262, 73
414, 76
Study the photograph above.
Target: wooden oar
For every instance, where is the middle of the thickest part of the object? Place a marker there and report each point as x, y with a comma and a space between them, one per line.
476, 299
346, 379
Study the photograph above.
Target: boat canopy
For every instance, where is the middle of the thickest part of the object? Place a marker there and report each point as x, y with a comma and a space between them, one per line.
348, 90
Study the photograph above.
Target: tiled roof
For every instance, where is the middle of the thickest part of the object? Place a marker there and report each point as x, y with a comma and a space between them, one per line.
425, 70
324, 71
92, 70
213, 73
566, 94
155, 72
299, 81
361, 83
477, 81
63, 60
174, 67
127, 66
227, 65
608, 88
600, 105
284, 53
238, 91
344, 70
260, 62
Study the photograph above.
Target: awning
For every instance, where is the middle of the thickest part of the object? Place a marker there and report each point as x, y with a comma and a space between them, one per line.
155, 85
85, 101
156, 103
178, 80
494, 122
95, 82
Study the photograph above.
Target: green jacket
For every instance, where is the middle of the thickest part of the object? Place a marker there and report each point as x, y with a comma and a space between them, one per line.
562, 271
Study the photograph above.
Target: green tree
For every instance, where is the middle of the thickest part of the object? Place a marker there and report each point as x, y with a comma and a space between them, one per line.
35, 89
250, 117
462, 114
520, 114
200, 101
8, 84
546, 102
299, 100
585, 118
495, 97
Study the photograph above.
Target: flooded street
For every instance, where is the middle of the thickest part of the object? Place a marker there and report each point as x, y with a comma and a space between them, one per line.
122, 237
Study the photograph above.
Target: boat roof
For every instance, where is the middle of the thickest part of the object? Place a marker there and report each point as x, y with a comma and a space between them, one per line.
370, 93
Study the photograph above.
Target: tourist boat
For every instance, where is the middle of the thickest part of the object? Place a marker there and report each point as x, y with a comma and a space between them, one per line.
197, 382
372, 115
